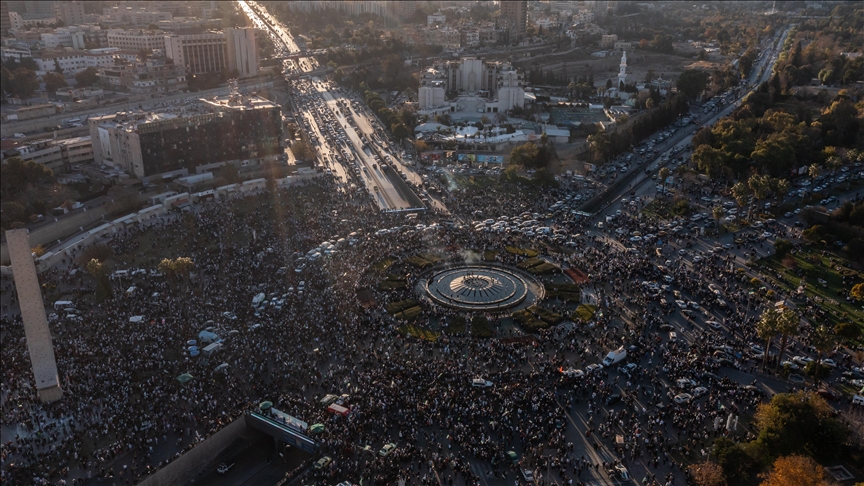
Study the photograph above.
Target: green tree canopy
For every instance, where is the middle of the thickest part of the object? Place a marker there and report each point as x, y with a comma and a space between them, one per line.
692, 82
54, 81
24, 82
87, 77
796, 423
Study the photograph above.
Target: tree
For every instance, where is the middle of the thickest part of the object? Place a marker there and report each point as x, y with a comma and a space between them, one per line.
799, 423
103, 286
823, 340
663, 174
741, 192
857, 292
788, 322
718, 212
813, 171
525, 155
54, 81
600, 146
16, 175
5, 80
692, 82
795, 471
400, 131
230, 173
782, 247
24, 82
87, 77
303, 150
707, 474
766, 329
847, 330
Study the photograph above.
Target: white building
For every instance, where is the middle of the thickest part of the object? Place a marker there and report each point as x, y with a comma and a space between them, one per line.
136, 40
511, 93
431, 91
63, 37
213, 52
436, 19
73, 62
622, 70
242, 51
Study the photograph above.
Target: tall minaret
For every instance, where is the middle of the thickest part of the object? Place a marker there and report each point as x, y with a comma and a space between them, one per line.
622, 71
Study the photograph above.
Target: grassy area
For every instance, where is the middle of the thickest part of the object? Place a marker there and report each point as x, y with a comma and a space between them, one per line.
383, 264
527, 320
393, 282
530, 263
410, 314
546, 315
423, 260
565, 292
480, 327
544, 268
399, 306
420, 333
823, 273
521, 251
489, 255
456, 325
419, 262
584, 313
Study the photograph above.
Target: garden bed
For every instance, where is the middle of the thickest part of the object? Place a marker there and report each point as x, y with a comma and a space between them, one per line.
401, 305
410, 314
527, 320
584, 313
546, 315
414, 331
480, 327
521, 251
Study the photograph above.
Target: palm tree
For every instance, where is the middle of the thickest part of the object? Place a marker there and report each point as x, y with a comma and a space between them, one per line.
767, 328
761, 186
823, 339
787, 325
718, 212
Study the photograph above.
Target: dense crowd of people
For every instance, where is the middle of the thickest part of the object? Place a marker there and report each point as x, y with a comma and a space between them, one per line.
124, 414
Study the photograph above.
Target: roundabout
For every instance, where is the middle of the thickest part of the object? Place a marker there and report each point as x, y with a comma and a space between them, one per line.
480, 288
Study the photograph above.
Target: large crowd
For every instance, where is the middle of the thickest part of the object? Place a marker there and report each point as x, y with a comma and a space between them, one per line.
124, 415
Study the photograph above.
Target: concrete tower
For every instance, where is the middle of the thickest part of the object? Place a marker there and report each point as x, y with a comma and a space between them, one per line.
36, 331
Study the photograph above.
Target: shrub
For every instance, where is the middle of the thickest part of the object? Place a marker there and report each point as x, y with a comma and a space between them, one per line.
409, 314
480, 327
401, 305
584, 313
546, 315
528, 320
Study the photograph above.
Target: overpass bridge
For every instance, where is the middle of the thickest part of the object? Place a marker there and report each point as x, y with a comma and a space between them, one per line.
282, 427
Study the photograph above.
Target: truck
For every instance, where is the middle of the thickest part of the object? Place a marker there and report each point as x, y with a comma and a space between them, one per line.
614, 357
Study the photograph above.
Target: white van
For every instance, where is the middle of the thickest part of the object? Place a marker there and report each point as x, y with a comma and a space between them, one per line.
615, 357
63, 304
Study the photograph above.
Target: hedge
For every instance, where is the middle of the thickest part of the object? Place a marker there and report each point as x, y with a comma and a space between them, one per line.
546, 315
401, 305
409, 314
528, 320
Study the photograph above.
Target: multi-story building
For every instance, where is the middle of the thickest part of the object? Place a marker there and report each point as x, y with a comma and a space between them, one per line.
64, 37
151, 76
136, 40
242, 51
470, 38
607, 41
73, 62
70, 12
5, 23
447, 37
214, 52
436, 19
30, 9
18, 21
515, 12
498, 81
432, 89
57, 155
226, 129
